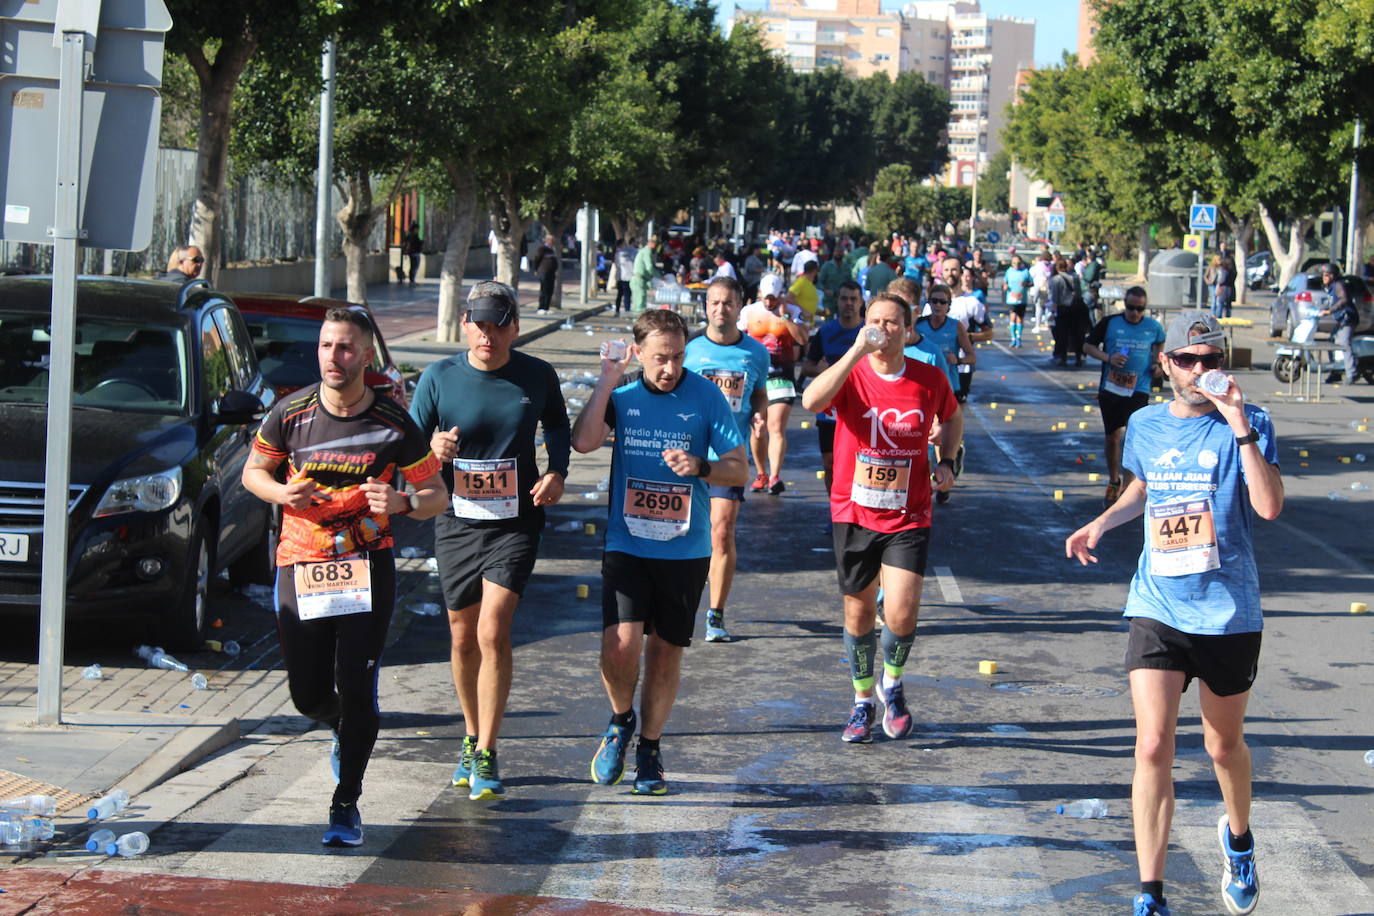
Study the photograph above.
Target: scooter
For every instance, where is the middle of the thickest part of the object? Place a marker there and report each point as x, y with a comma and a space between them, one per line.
1291, 362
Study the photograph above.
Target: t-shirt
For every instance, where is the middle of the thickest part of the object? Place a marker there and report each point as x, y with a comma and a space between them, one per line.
925, 350
654, 513
800, 260
879, 276
339, 454
915, 267
808, 297
882, 429
1188, 577
496, 413
946, 338
1113, 334
737, 369
1016, 278
969, 311
770, 329
831, 341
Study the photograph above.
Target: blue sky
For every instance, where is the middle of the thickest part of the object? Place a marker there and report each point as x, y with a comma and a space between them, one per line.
1056, 21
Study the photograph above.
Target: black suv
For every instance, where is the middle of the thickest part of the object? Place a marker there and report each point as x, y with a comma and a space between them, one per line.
166, 398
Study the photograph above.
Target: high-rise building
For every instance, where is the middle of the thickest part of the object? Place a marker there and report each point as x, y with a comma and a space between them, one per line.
950, 43
1087, 32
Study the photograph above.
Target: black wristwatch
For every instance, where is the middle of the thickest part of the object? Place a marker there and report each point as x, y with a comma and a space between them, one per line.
1251, 436
705, 467
949, 463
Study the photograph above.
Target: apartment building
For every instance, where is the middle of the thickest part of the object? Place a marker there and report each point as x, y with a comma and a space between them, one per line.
951, 43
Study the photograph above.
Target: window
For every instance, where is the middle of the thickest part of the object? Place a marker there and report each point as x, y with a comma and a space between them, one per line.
885, 32
240, 347
933, 77
219, 372
881, 58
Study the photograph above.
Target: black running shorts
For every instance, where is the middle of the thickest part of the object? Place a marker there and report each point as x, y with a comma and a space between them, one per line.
1227, 664
661, 594
859, 552
732, 493
467, 554
1116, 410
825, 431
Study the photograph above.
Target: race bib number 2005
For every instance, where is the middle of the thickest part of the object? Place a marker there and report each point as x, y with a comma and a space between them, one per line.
333, 588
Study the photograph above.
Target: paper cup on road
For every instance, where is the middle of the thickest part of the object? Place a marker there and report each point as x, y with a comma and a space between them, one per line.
1302, 453
1092, 456
1092, 478
820, 475
583, 591
987, 666
806, 424
1359, 607
1011, 411
1008, 418
992, 406
1082, 424
1087, 408
589, 528
1059, 496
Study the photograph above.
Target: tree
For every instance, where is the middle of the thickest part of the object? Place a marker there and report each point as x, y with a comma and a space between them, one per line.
899, 203
994, 185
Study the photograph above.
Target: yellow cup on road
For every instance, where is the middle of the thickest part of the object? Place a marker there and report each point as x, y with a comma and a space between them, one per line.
583, 591
987, 666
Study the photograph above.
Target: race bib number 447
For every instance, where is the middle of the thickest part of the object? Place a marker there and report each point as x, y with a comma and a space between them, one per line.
333, 589
1183, 538
657, 511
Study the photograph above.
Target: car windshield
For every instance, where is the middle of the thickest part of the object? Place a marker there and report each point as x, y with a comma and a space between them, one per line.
288, 348
120, 365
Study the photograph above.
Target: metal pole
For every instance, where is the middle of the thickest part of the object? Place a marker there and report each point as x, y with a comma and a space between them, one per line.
1202, 250
1352, 241
973, 208
582, 232
66, 233
324, 176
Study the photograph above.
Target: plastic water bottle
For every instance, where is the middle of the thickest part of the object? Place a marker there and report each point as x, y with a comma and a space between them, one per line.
42, 805
411, 552
93, 673
614, 350
603, 484
1369, 758
132, 844
156, 658
199, 682
1214, 382
231, 648
573, 525
1084, 807
108, 804
875, 336
100, 841
17, 829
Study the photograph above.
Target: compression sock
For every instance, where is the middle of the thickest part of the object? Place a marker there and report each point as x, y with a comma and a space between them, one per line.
624, 718
895, 651
1156, 889
861, 650
648, 744
1242, 843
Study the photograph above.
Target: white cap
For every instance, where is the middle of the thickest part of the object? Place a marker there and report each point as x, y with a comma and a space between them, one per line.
770, 285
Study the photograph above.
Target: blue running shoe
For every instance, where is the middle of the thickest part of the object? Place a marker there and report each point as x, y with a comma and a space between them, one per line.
859, 728
1239, 877
345, 826
649, 771
715, 628
463, 771
897, 722
334, 758
486, 779
609, 763
1147, 905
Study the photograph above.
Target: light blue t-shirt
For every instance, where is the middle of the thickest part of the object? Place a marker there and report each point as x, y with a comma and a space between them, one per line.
665, 517
1016, 289
1114, 333
926, 351
946, 338
1192, 472
737, 369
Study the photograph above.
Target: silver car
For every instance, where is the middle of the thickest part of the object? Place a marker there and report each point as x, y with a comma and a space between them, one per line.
1304, 297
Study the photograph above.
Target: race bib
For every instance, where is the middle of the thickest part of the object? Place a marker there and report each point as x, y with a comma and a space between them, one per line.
1183, 538
484, 489
657, 511
731, 384
1120, 382
880, 483
780, 387
333, 588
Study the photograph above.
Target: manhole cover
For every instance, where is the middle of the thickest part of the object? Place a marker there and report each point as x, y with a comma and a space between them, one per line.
1044, 688
12, 785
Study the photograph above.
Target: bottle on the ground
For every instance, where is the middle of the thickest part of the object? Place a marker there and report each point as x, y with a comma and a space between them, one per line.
132, 844
1083, 807
1369, 757
100, 841
92, 673
199, 682
42, 805
231, 648
19, 829
156, 658
108, 804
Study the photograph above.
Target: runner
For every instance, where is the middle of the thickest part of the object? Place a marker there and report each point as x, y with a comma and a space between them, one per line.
336, 579
804, 292
738, 365
831, 341
780, 327
953, 340
481, 408
658, 544
884, 404
1203, 462
969, 310
1128, 346
1016, 282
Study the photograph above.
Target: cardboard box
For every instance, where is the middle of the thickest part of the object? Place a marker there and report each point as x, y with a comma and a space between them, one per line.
1240, 357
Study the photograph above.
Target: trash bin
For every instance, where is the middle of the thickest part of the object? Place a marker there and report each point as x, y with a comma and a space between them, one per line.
1173, 279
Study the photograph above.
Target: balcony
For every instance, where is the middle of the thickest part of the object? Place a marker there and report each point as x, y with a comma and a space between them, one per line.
969, 84
966, 129
967, 62
831, 37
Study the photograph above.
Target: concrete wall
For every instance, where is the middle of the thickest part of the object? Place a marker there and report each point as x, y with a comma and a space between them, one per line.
295, 276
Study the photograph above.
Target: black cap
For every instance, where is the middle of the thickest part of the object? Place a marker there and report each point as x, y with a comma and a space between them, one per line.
498, 310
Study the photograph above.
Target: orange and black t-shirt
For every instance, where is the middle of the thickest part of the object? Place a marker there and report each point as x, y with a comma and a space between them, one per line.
339, 454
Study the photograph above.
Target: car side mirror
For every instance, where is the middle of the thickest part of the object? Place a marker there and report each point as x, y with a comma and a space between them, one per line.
238, 408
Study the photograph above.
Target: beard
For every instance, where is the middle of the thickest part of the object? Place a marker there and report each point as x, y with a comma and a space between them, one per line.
1185, 392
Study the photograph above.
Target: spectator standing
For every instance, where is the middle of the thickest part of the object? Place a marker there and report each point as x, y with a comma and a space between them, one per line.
642, 273
545, 266
411, 246
184, 265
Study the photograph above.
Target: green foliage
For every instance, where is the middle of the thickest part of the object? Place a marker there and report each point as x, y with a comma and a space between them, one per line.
899, 203
994, 185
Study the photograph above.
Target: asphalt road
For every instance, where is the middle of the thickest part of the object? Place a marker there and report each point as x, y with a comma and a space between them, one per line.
769, 812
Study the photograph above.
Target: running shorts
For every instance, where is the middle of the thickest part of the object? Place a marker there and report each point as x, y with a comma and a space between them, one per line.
732, 493
859, 552
467, 554
661, 594
1116, 410
825, 431
1227, 664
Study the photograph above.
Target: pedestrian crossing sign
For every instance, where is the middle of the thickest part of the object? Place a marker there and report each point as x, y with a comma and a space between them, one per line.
1202, 218
1054, 222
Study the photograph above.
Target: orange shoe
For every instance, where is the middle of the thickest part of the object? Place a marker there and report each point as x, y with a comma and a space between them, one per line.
760, 483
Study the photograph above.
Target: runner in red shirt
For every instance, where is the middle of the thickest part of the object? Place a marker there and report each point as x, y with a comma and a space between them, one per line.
885, 404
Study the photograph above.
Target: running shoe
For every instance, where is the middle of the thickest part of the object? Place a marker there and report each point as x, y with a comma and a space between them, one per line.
334, 758
776, 486
1239, 877
897, 722
609, 763
345, 826
715, 628
1147, 905
760, 483
649, 772
463, 771
486, 779
859, 728
1113, 491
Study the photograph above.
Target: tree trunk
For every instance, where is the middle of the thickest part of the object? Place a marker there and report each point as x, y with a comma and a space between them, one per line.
1142, 251
217, 81
555, 224
356, 218
510, 229
1289, 256
464, 180
1244, 233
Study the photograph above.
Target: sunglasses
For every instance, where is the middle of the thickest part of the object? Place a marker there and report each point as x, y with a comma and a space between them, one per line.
1189, 360
934, 299
195, 260
1135, 308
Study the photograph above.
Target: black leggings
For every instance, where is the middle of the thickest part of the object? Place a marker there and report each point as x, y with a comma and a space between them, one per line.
332, 665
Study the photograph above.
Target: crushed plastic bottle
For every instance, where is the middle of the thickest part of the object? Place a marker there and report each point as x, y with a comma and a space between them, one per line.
101, 841
19, 829
261, 595
1360, 486
1360, 458
132, 844
567, 324
93, 673
411, 553
1369, 758
42, 805
424, 609
590, 494
1084, 807
156, 658
432, 564
199, 682
573, 525
108, 804
603, 484
231, 648
1335, 497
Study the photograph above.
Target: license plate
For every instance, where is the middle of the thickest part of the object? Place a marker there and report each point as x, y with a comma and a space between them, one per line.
14, 547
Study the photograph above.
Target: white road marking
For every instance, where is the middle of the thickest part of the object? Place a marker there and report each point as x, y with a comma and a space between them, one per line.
945, 576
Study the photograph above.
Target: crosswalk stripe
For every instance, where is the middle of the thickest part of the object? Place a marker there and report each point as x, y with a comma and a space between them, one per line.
949, 585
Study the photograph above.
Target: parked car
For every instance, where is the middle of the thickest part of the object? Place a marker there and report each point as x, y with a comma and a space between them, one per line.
167, 396
1258, 269
1304, 296
286, 336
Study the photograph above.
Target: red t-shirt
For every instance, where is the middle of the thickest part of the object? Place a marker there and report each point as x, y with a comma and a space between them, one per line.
882, 429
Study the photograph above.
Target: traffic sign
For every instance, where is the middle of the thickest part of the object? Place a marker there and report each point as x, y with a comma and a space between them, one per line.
1193, 243
1202, 218
1054, 221
1056, 205
994, 236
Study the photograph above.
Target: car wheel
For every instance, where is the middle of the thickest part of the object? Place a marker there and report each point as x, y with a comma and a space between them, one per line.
259, 565
185, 623
1289, 326
1287, 368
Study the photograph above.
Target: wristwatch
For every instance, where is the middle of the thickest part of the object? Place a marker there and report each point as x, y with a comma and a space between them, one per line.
1251, 436
705, 467
412, 503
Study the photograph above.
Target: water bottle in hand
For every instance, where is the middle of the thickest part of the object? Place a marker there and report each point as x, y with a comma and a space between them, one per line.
1084, 807
132, 844
108, 804
875, 336
101, 841
614, 350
